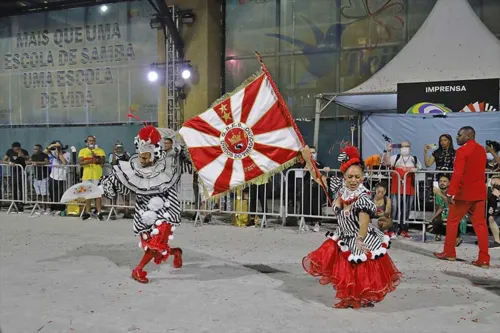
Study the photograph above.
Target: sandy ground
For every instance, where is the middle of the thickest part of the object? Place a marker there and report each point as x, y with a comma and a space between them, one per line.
66, 275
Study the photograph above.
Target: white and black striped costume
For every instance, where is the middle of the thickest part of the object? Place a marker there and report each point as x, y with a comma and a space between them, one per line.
155, 188
348, 223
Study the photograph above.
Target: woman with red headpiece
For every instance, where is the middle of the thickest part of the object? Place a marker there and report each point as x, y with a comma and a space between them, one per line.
354, 258
152, 177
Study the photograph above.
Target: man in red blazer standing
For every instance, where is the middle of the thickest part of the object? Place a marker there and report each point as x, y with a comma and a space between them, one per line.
467, 193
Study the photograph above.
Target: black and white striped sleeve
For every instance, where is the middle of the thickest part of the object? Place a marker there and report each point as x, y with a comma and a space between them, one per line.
365, 204
172, 211
112, 186
334, 184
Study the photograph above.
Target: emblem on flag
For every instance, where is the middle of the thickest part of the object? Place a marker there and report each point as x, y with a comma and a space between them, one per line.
245, 136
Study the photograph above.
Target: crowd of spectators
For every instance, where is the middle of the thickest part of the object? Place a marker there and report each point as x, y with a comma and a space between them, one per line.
395, 197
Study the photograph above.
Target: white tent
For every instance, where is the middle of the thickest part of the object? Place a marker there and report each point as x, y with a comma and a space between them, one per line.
452, 44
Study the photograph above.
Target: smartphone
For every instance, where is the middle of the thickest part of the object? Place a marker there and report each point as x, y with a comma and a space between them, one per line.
433, 145
435, 184
396, 145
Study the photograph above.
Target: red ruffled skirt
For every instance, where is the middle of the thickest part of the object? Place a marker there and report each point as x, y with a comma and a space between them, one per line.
157, 241
357, 285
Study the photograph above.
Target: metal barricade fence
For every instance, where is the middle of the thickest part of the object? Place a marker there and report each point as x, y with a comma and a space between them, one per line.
120, 203
242, 203
12, 180
46, 184
419, 206
306, 200
246, 201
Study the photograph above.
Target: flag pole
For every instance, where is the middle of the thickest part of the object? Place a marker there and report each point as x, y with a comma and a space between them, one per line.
291, 121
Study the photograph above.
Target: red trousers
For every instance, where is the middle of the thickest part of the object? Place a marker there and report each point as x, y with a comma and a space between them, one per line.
456, 213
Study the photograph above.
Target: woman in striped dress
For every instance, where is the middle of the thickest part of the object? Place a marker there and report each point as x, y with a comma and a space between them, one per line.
354, 258
153, 178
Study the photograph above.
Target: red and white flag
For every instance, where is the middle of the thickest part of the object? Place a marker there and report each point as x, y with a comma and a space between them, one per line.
243, 137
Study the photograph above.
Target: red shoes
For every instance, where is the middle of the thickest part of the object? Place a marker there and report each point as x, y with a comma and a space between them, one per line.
477, 263
481, 264
177, 253
405, 234
140, 276
444, 256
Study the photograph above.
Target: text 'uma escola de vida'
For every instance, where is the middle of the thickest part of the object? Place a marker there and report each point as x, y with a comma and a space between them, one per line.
45, 68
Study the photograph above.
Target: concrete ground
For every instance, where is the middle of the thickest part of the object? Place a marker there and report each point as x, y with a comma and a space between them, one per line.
67, 275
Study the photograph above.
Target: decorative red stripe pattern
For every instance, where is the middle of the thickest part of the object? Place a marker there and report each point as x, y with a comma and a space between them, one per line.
200, 125
277, 154
203, 156
272, 120
251, 169
222, 183
224, 111
251, 92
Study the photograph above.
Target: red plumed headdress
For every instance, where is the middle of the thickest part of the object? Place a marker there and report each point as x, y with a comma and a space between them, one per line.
349, 155
150, 133
148, 141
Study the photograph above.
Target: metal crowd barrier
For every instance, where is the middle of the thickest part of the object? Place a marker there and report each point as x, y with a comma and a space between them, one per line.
420, 210
12, 183
306, 200
241, 203
292, 194
45, 185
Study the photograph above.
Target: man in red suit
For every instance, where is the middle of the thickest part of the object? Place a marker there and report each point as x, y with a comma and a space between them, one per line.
467, 193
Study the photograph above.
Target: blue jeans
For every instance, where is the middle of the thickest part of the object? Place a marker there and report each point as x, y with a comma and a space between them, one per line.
405, 211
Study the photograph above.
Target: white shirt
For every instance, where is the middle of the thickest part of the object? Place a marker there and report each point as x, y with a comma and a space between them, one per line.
58, 171
405, 162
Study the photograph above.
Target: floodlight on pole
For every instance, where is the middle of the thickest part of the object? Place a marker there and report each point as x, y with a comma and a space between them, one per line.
152, 76
104, 8
186, 73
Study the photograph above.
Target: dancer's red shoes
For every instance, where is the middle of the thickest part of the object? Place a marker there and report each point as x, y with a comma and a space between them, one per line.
177, 253
481, 264
444, 256
140, 276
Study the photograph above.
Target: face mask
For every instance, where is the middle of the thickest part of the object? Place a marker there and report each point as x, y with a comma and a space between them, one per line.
405, 151
490, 156
314, 155
90, 146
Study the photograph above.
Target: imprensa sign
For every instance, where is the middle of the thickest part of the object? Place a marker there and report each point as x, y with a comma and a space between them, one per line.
467, 95
77, 66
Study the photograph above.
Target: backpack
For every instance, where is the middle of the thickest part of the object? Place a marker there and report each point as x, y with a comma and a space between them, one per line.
398, 157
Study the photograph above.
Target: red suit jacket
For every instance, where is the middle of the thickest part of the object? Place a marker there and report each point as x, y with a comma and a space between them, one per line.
468, 182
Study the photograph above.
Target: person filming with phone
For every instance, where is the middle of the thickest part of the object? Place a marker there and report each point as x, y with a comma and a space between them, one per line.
92, 160
443, 156
402, 163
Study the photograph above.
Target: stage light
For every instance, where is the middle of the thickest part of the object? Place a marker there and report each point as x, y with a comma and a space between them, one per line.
152, 76
104, 9
186, 73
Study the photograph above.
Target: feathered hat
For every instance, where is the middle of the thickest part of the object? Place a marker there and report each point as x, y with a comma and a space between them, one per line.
148, 141
349, 155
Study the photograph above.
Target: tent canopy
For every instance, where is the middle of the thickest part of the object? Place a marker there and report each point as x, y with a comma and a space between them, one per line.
452, 44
